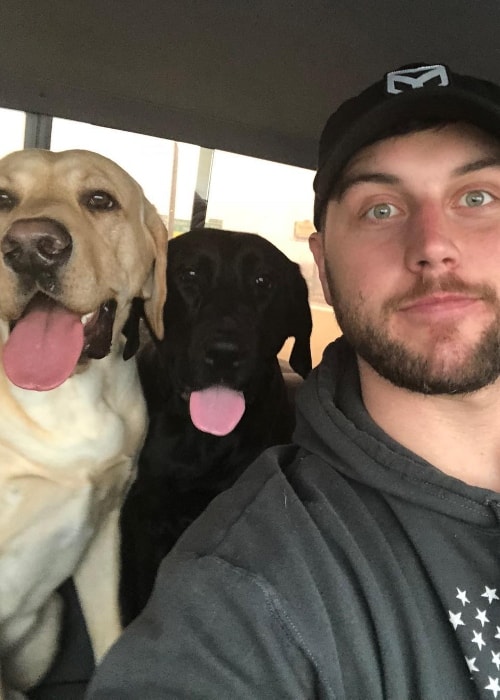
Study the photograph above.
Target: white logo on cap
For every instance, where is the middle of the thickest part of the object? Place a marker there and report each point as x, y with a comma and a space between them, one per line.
401, 80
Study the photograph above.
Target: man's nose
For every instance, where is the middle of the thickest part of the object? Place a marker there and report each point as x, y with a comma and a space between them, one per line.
431, 244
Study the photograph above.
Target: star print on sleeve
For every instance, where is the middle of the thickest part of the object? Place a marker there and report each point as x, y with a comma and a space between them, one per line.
490, 593
478, 639
462, 595
477, 625
456, 619
471, 663
481, 616
493, 685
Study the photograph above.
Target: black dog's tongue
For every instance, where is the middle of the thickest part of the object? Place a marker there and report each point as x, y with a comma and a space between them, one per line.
216, 410
44, 346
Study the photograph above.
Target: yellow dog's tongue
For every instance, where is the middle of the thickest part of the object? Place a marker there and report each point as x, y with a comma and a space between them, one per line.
216, 410
43, 347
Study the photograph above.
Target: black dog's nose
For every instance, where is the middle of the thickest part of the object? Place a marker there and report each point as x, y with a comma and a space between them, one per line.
223, 354
36, 245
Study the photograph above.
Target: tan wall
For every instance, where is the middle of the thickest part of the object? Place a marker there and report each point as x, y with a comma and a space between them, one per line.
325, 329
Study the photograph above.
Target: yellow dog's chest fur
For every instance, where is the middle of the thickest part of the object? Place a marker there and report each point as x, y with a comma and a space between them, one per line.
65, 465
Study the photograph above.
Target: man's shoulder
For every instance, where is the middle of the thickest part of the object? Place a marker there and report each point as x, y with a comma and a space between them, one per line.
256, 490
264, 513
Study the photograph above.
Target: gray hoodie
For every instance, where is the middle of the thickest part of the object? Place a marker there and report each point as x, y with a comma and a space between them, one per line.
342, 566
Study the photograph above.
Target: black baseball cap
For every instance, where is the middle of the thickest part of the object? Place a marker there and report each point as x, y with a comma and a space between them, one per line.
416, 91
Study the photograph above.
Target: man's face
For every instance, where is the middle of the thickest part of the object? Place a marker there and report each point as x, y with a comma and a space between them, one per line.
410, 258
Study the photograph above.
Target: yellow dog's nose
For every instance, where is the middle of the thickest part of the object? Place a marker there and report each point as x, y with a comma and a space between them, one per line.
36, 245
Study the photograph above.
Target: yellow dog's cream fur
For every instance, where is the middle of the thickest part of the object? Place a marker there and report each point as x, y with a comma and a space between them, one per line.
67, 455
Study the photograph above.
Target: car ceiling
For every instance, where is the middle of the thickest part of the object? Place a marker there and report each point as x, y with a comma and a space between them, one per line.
257, 77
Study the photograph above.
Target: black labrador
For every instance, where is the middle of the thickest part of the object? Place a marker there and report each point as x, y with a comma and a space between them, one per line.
214, 388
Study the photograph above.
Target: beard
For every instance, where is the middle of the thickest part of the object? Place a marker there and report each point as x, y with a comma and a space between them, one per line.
449, 367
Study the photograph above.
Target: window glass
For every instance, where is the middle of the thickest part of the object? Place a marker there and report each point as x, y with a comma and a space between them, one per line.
155, 163
275, 201
12, 126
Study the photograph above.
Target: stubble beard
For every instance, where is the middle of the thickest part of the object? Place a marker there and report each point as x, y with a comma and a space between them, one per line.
459, 371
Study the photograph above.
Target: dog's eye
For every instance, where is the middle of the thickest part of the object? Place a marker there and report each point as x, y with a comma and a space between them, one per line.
263, 282
7, 201
188, 274
99, 201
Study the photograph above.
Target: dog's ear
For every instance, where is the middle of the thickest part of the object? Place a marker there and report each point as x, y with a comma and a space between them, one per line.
155, 289
299, 322
131, 329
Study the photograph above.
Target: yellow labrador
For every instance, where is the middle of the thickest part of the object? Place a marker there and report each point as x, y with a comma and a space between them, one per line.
78, 241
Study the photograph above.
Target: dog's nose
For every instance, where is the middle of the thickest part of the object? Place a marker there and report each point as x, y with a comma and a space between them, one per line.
32, 245
223, 354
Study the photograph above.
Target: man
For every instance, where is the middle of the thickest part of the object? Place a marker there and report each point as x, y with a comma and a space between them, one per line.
362, 561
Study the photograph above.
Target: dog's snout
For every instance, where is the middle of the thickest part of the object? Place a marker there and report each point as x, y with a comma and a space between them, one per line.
223, 354
32, 245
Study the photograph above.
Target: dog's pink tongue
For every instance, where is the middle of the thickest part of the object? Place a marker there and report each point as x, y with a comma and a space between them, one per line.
43, 347
216, 410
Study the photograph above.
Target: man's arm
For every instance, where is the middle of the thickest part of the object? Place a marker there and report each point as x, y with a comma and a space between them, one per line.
209, 631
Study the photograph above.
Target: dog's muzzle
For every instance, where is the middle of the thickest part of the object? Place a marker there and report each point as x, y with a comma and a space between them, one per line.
48, 339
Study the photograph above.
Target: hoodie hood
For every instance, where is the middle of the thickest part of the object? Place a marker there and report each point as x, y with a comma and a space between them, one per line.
333, 424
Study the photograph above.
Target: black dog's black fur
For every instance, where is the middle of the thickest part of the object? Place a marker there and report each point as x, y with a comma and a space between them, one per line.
232, 300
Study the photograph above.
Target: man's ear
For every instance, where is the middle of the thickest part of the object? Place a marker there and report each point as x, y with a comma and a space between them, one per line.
317, 248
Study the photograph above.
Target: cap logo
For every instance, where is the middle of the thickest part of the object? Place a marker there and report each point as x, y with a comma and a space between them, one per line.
414, 78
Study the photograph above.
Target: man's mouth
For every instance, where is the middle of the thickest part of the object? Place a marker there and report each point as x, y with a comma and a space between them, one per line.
440, 302
48, 341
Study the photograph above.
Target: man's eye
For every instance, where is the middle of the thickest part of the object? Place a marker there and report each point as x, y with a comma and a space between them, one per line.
475, 198
381, 211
